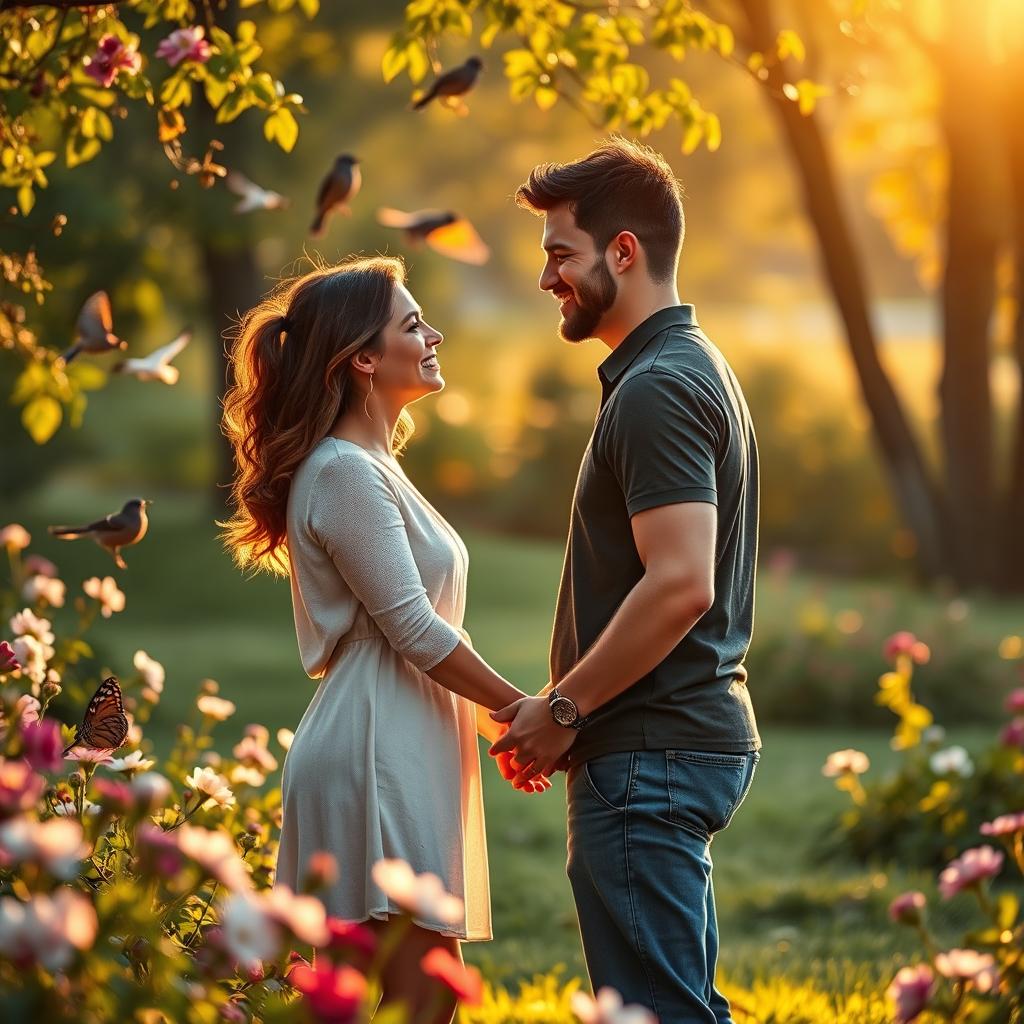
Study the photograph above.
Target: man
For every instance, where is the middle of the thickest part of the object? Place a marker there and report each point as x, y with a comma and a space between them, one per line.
648, 702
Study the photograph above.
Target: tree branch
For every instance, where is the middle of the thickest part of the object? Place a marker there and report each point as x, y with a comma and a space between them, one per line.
60, 5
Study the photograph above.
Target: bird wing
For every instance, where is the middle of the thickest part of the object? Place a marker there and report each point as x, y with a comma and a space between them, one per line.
96, 318
399, 219
460, 241
238, 183
167, 352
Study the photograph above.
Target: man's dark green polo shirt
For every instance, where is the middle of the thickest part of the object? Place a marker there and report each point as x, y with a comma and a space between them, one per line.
673, 427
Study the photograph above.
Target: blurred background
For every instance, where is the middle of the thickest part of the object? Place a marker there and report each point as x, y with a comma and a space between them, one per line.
498, 451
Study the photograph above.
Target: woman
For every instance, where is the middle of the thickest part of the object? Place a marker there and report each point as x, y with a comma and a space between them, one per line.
385, 761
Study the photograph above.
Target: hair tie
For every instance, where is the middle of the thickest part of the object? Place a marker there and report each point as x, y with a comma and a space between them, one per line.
285, 324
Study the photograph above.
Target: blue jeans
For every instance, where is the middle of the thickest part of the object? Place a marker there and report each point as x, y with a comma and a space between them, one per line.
640, 830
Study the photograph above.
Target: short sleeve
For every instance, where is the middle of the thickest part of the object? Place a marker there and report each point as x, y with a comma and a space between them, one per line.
356, 518
661, 441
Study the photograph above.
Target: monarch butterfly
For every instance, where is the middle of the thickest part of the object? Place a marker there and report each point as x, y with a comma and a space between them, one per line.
104, 726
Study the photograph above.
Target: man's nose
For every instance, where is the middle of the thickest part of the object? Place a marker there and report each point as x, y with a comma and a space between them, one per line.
548, 279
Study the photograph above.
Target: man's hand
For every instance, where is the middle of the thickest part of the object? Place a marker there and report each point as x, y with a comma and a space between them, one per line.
537, 741
511, 771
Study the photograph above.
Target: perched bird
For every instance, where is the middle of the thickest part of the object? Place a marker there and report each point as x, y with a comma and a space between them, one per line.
444, 231
105, 725
453, 83
116, 531
253, 196
337, 190
94, 330
157, 365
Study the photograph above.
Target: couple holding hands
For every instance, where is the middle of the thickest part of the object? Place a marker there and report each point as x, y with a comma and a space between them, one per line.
647, 709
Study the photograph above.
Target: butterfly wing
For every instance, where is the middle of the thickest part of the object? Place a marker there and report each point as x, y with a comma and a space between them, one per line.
459, 241
105, 725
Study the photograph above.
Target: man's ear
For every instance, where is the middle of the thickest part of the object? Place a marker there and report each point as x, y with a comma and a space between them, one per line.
624, 250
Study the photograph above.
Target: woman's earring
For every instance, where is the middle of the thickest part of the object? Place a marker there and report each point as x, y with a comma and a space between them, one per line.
367, 399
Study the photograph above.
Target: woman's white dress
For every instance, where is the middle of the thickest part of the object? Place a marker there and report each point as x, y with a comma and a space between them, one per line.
385, 761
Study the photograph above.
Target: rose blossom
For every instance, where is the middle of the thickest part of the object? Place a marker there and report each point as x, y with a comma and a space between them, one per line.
907, 908
910, 991
185, 44
113, 56
970, 868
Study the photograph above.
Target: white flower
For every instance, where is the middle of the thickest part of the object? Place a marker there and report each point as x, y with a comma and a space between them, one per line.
32, 656
44, 588
952, 761
152, 672
47, 929
216, 708
249, 934
55, 844
840, 762
607, 1008
150, 788
216, 853
27, 623
133, 762
67, 809
207, 782
106, 592
285, 737
242, 774
255, 754
968, 965
421, 895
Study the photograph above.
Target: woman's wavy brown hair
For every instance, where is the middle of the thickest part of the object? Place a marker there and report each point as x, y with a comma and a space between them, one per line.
291, 357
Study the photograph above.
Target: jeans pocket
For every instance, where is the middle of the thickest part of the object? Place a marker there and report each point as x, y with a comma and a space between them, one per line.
608, 778
705, 788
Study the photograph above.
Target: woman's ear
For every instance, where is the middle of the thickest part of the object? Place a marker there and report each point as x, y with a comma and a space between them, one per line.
366, 362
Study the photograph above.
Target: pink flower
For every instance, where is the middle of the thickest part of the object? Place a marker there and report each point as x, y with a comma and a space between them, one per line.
907, 908
15, 537
348, 935
969, 869
321, 870
910, 991
1013, 734
335, 995
44, 588
36, 565
105, 591
113, 56
1004, 825
47, 929
464, 982
420, 895
42, 745
115, 796
841, 762
20, 787
904, 643
8, 659
968, 965
56, 845
250, 752
159, 850
90, 755
1014, 702
185, 44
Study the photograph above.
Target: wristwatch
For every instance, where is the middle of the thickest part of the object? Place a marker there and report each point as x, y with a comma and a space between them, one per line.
564, 711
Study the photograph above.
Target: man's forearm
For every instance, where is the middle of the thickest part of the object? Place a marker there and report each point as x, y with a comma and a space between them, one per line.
649, 623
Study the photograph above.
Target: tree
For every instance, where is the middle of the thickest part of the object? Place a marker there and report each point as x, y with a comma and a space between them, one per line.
598, 58
69, 71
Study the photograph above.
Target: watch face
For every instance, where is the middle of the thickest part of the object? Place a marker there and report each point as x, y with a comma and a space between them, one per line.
563, 711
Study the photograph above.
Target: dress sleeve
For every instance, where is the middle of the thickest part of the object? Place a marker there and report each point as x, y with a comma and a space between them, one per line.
355, 516
662, 442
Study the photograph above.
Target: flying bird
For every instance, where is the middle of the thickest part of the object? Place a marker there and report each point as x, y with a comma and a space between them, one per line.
94, 330
443, 230
337, 190
253, 196
453, 83
113, 532
157, 365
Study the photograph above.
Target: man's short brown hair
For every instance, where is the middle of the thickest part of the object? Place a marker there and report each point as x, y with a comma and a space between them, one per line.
621, 186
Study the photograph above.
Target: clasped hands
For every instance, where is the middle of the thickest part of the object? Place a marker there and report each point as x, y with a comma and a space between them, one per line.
532, 745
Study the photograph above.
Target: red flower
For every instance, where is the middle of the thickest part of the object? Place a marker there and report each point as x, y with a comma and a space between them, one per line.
464, 981
335, 995
347, 935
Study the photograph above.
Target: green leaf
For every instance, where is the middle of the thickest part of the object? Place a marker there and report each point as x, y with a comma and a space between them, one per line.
310, 7
86, 375
26, 199
282, 128
393, 61
41, 418
1008, 906
546, 97
232, 106
712, 132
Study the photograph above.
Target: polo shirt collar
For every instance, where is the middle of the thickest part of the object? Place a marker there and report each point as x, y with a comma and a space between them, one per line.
621, 358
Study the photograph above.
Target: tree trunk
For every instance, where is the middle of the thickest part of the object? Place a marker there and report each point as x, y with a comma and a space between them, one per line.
919, 499
1011, 547
976, 163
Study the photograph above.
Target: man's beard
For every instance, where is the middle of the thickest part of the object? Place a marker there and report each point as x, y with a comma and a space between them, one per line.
592, 298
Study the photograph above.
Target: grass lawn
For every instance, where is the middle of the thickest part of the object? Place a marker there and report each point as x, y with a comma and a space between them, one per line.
780, 910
